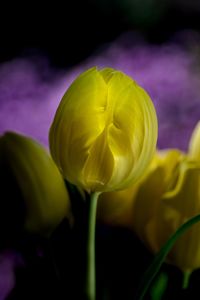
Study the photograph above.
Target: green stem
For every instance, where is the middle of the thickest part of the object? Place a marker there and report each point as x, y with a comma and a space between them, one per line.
186, 279
90, 276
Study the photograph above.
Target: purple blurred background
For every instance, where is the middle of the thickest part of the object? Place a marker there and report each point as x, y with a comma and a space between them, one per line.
30, 89
9, 260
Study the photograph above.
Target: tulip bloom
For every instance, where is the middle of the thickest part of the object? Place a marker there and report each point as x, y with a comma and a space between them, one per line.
167, 196
178, 205
104, 132
180, 202
29, 173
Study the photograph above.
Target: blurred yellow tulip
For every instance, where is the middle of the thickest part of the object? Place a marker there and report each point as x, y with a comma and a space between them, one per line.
104, 132
166, 196
176, 207
179, 203
29, 173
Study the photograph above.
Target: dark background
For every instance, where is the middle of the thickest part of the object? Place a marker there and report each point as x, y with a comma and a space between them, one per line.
70, 31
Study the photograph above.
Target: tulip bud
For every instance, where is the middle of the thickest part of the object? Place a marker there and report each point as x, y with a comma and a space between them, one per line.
31, 183
104, 132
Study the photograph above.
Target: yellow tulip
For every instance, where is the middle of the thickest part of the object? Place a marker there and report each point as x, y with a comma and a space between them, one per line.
27, 170
158, 204
177, 206
160, 177
180, 202
104, 132
165, 197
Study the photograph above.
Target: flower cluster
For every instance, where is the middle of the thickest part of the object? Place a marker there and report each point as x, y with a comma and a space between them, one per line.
165, 197
102, 139
103, 144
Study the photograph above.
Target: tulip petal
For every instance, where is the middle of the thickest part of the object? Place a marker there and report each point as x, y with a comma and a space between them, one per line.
170, 161
178, 206
39, 180
194, 144
156, 181
125, 133
135, 116
77, 134
99, 165
107, 74
148, 195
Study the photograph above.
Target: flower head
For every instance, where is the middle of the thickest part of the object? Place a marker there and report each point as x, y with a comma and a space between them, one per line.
29, 176
178, 205
104, 132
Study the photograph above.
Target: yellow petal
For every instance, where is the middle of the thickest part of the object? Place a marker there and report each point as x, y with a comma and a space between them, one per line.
132, 131
194, 145
177, 206
78, 123
43, 189
98, 167
156, 181
107, 73
169, 160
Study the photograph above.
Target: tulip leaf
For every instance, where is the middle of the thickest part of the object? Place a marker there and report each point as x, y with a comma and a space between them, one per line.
155, 266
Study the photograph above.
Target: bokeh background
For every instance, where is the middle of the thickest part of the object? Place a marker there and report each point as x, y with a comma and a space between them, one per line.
43, 47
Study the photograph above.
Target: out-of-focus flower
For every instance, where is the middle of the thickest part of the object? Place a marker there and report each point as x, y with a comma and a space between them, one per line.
104, 132
167, 196
178, 205
31, 185
160, 178
121, 207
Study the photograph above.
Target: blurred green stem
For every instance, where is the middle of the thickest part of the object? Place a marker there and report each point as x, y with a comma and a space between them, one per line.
90, 276
186, 279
